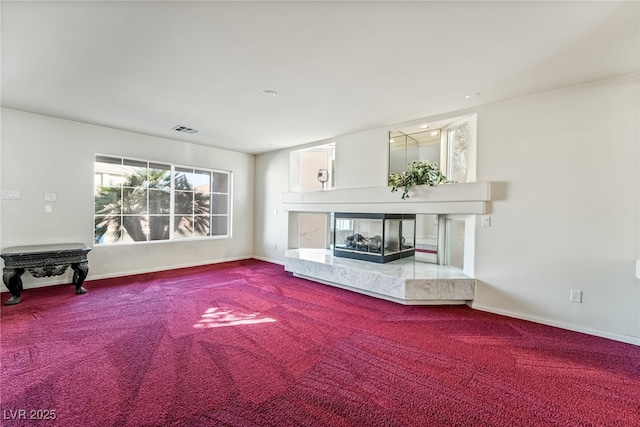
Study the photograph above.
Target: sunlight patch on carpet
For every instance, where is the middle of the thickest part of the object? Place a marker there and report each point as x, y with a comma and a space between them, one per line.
215, 318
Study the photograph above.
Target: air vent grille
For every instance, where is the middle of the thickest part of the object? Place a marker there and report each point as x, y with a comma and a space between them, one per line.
185, 129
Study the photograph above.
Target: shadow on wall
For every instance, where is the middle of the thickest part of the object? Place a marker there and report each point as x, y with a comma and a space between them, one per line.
498, 190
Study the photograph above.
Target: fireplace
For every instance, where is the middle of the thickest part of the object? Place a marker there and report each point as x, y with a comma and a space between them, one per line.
374, 237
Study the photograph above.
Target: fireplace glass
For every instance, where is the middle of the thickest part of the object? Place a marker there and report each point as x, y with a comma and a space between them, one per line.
374, 237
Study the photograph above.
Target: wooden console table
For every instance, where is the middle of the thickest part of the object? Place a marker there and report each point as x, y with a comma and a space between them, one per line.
43, 261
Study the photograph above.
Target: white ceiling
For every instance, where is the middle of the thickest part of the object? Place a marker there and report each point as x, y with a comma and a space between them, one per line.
338, 67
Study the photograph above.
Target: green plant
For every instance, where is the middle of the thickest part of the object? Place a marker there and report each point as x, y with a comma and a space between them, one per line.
419, 172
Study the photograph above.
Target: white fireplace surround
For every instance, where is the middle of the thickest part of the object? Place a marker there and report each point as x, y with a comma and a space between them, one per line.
467, 198
434, 284
403, 281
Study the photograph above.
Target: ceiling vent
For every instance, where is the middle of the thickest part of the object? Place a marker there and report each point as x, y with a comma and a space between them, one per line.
185, 129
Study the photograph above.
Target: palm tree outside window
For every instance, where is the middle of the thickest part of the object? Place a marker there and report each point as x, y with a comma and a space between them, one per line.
141, 201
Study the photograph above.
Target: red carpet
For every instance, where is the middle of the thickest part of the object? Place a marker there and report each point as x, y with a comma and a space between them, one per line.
245, 344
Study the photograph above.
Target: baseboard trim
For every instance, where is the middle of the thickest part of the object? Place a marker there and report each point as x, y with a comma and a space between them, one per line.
272, 261
595, 332
66, 279
167, 268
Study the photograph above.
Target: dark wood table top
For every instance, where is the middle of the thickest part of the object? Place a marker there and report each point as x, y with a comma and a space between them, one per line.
53, 248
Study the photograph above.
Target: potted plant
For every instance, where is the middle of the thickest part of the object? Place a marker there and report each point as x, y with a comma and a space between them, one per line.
419, 172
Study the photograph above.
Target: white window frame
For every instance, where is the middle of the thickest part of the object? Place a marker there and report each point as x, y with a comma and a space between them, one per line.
172, 191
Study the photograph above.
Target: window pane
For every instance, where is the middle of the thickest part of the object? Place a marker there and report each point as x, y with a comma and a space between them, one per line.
135, 164
109, 160
159, 176
202, 181
219, 225
134, 227
184, 179
159, 201
105, 229
183, 202
134, 201
135, 173
108, 201
115, 233
201, 204
183, 227
220, 182
158, 227
109, 171
219, 203
201, 226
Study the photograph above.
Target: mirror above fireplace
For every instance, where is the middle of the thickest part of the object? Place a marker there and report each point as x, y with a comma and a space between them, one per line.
428, 140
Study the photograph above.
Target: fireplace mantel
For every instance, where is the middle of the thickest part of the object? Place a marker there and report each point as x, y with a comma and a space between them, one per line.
468, 198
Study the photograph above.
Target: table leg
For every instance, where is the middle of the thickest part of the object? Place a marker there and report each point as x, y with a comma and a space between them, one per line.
80, 271
12, 280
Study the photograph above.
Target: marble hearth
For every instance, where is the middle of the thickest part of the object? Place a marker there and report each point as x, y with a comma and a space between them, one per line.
404, 281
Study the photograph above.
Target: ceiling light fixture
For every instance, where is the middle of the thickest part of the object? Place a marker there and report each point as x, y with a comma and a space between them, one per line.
269, 93
424, 126
435, 133
471, 95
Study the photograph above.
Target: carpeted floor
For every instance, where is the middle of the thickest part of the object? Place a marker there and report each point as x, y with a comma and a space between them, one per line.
246, 344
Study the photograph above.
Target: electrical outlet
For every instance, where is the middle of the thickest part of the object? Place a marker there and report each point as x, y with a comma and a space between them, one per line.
575, 296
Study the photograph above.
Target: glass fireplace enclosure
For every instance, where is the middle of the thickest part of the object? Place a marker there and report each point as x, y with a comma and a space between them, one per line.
374, 237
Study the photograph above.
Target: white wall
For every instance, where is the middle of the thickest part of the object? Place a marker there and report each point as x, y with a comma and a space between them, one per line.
310, 163
44, 154
568, 218
271, 220
362, 159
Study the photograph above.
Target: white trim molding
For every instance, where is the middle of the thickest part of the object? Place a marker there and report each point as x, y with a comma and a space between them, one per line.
468, 198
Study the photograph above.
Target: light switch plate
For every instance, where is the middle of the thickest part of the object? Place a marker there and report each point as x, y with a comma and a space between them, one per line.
49, 197
10, 194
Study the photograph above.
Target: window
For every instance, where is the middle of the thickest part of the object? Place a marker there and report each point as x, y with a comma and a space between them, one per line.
141, 201
458, 143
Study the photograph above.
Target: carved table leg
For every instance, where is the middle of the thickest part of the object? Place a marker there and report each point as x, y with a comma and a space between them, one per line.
80, 271
12, 280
